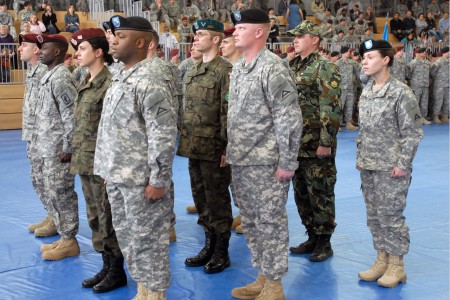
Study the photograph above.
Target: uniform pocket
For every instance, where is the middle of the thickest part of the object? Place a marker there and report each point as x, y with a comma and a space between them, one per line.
203, 140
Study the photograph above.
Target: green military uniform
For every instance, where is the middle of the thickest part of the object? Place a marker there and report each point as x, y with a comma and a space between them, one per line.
318, 85
88, 109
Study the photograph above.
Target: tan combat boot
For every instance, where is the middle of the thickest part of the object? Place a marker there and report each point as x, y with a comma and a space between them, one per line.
66, 248
273, 290
378, 268
48, 230
395, 272
350, 126
436, 119
173, 235
239, 229
191, 209
425, 122
444, 118
34, 226
236, 222
251, 290
142, 292
156, 295
46, 247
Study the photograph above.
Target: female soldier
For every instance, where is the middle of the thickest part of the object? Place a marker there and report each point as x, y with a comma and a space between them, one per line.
390, 132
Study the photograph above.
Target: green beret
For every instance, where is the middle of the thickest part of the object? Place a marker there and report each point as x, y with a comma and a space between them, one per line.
207, 24
304, 28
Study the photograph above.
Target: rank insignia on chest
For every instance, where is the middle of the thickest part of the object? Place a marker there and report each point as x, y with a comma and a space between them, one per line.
334, 84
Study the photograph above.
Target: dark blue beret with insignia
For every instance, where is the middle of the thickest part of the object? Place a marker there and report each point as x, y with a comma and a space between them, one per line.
252, 16
372, 45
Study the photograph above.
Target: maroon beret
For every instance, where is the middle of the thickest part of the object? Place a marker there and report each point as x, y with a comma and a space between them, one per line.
27, 38
84, 35
52, 38
229, 32
399, 48
290, 49
173, 52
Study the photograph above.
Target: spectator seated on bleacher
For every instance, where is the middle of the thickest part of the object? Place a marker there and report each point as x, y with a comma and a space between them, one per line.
274, 33
7, 19
7, 51
417, 9
49, 19
25, 14
167, 39
36, 26
71, 20
174, 13
191, 11
397, 27
432, 28
444, 25
371, 19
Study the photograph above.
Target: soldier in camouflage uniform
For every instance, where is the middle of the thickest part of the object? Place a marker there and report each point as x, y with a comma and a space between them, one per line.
116, 66
88, 109
419, 79
327, 32
386, 145
173, 12
264, 129
52, 141
134, 154
350, 75
191, 12
440, 71
399, 70
351, 37
25, 14
7, 19
224, 8
158, 12
36, 70
184, 31
318, 86
203, 140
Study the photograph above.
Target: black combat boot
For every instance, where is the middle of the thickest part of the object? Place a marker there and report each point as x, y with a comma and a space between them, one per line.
306, 247
220, 259
323, 249
90, 282
205, 254
115, 278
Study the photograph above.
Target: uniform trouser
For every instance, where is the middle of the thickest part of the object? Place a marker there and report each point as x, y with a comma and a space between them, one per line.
225, 14
262, 203
314, 182
347, 102
385, 199
422, 95
174, 22
209, 185
142, 229
99, 216
441, 100
59, 195
171, 198
37, 180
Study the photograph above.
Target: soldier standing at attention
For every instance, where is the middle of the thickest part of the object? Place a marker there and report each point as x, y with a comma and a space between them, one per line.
36, 70
203, 140
52, 139
92, 50
441, 88
399, 70
419, 75
134, 154
386, 145
318, 86
264, 130
350, 75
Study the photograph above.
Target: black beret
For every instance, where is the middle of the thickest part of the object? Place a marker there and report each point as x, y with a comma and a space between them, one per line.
330, 21
421, 50
345, 49
26, 3
372, 45
334, 54
106, 25
130, 23
351, 28
252, 16
444, 50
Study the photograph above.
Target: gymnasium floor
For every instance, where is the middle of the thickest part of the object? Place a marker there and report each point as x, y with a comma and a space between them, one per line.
24, 275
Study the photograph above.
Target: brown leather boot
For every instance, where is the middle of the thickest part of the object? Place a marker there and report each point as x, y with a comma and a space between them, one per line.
66, 248
378, 268
250, 291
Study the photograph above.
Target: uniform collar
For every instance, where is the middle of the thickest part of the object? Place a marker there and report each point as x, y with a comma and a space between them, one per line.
97, 82
247, 68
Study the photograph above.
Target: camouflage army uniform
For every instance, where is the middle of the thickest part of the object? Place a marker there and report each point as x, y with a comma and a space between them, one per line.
115, 67
184, 33
192, 13
52, 134
264, 129
24, 16
352, 38
419, 76
399, 70
350, 71
30, 99
224, 8
135, 148
80, 73
203, 140
159, 13
7, 19
173, 12
88, 109
389, 136
318, 89
441, 86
